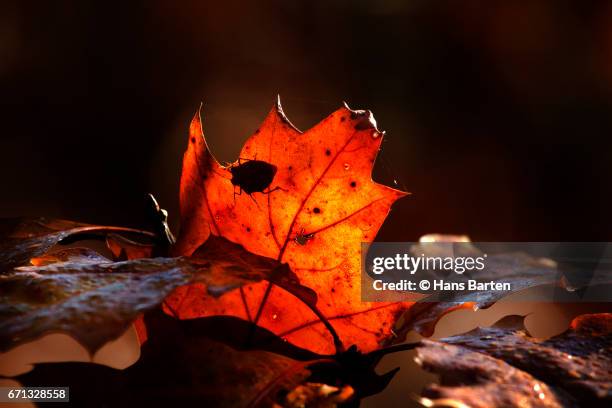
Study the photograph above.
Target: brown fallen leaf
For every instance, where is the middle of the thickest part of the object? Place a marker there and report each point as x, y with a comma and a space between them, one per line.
96, 301
22, 239
306, 199
578, 361
76, 255
126, 249
471, 379
231, 261
573, 368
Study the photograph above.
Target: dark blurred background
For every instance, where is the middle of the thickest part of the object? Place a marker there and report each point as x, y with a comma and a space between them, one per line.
498, 114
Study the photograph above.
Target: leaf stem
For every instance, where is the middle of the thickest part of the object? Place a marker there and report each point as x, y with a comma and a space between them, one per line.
337, 342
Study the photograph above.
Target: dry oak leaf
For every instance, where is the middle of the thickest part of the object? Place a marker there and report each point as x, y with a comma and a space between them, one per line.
319, 207
79, 292
22, 239
503, 366
470, 379
577, 362
92, 302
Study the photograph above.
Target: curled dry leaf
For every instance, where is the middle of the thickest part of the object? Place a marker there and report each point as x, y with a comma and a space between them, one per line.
306, 199
229, 261
470, 379
22, 239
578, 361
573, 368
95, 301
126, 249
73, 255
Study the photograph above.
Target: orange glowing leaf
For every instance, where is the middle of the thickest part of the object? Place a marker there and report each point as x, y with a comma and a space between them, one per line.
320, 205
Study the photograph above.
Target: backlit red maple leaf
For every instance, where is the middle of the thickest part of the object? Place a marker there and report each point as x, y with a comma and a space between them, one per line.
314, 215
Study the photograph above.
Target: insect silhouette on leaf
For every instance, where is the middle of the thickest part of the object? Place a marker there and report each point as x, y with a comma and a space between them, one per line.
253, 176
302, 239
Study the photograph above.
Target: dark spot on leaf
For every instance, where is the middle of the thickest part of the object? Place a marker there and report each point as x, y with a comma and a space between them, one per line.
316, 210
193, 140
327, 152
353, 184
